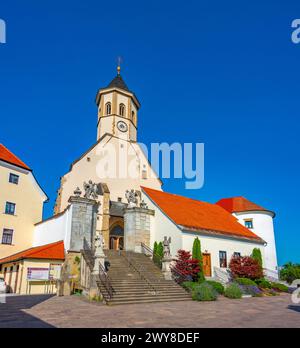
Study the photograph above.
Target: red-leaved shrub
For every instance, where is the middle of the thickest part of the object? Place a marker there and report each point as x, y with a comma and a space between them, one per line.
186, 265
245, 267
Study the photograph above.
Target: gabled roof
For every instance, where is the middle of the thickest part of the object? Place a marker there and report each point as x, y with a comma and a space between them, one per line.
197, 215
9, 157
239, 204
53, 251
118, 82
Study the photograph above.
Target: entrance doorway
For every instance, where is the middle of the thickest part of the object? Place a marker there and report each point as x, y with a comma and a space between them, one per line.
116, 238
206, 264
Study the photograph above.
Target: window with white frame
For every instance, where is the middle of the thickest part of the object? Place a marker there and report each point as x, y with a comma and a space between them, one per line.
7, 236
13, 178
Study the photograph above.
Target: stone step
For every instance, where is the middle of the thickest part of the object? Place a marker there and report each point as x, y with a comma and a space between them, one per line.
149, 300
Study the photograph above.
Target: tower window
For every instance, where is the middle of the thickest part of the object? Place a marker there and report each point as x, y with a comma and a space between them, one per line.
132, 116
108, 108
249, 223
122, 110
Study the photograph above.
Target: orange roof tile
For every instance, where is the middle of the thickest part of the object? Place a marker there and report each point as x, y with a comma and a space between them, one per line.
8, 156
53, 251
238, 204
198, 215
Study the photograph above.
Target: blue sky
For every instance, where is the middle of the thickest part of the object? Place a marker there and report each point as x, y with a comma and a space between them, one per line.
223, 73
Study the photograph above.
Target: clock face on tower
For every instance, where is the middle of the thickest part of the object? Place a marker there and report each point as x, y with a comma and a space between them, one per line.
122, 126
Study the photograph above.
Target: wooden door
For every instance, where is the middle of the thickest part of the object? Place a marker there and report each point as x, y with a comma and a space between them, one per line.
206, 265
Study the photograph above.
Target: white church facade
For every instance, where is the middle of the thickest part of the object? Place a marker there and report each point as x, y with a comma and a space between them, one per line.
132, 211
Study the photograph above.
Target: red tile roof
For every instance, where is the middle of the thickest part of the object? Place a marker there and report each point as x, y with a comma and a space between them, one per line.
8, 156
238, 204
53, 251
198, 215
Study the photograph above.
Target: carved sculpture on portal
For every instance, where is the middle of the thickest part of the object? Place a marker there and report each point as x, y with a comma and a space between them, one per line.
90, 189
132, 198
166, 250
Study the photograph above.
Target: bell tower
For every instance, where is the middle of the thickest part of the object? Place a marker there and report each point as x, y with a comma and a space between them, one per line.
117, 110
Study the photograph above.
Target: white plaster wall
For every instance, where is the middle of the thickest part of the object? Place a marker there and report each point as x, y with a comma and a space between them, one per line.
213, 244
162, 226
84, 170
54, 230
264, 228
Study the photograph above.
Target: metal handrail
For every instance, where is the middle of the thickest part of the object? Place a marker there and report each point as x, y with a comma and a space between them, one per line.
89, 256
106, 282
179, 276
144, 246
140, 272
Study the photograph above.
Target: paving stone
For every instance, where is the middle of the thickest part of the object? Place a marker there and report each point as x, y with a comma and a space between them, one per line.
73, 311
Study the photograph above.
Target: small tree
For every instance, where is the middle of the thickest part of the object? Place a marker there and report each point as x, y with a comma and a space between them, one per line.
290, 272
245, 267
187, 266
197, 255
158, 252
256, 255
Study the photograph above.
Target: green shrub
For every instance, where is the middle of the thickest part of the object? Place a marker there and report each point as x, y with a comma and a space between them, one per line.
263, 283
245, 281
290, 272
189, 285
217, 286
280, 287
204, 292
197, 255
256, 255
233, 291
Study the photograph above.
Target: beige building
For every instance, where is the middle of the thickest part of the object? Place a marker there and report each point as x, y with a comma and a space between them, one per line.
21, 203
33, 271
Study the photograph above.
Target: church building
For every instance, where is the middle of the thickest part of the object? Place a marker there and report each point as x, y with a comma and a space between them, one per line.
111, 191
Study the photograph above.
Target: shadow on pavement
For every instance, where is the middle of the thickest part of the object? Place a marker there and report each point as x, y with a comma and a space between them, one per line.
294, 308
13, 316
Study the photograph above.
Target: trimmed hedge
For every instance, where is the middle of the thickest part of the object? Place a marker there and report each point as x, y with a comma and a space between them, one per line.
219, 287
263, 283
280, 287
233, 291
204, 292
245, 281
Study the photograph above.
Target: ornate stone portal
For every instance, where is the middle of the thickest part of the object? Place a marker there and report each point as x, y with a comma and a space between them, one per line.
137, 222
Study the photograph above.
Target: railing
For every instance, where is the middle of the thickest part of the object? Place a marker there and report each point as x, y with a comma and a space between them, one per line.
88, 254
222, 275
104, 279
149, 252
271, 273
106, 283
178, 276
140, 270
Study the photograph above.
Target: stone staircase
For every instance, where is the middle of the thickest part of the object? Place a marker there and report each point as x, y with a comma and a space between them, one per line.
136, 279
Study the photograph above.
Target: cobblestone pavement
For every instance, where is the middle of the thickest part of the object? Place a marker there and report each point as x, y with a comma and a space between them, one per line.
73, 311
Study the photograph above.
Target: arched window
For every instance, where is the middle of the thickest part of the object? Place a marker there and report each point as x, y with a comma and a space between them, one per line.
132, 116
108, 108
122, 110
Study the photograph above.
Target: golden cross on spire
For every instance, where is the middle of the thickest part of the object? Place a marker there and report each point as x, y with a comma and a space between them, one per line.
119, 65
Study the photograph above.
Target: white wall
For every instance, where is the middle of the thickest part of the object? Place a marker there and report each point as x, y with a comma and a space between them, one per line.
162, 226
264, 228
54, 230
213, 244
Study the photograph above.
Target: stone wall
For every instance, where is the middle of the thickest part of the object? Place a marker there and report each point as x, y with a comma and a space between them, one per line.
137, 227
